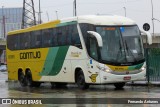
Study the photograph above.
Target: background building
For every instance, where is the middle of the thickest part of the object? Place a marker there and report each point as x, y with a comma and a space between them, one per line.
10, 19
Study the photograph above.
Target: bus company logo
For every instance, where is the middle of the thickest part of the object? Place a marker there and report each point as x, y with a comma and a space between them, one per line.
75, 54
30, 55
93, 77
6, 101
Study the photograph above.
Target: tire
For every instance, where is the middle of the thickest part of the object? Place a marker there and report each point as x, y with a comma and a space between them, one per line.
80, 81
119, 85
22, 79
30, 81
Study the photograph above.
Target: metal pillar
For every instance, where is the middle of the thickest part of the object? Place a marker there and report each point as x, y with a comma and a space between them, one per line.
74, 8
28, 17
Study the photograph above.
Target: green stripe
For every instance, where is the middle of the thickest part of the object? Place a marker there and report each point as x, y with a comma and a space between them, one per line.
54, 61
67, 23
135, 67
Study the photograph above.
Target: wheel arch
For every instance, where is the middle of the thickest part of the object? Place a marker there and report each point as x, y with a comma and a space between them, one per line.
27, 70
77, 70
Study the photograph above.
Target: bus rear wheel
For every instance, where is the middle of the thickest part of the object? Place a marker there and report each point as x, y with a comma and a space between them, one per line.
22, 79
30, 81
80, 80
119, 85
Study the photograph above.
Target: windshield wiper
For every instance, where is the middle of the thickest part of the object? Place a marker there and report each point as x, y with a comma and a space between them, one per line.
128, 49
119, 51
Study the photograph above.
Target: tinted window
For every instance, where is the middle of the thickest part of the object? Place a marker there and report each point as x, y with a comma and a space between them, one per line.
24, 41
61, 36
84, 29
47, 38
54, 34
36, 39
69, 35
75, 35
13, 42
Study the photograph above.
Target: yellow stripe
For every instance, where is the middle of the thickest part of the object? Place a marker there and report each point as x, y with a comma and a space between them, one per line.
118, 68
37, 27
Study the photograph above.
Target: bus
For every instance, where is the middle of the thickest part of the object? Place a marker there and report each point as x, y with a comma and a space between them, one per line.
86, 50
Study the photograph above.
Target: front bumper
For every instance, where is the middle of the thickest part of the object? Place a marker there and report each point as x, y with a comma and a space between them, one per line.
112, 78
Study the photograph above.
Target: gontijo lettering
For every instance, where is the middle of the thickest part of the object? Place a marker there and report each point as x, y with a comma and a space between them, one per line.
30, 55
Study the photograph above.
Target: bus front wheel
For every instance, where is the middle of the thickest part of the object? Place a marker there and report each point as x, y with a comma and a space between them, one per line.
119, 85
80, 80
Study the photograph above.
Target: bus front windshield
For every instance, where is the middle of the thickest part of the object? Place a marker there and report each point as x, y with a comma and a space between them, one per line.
120, 44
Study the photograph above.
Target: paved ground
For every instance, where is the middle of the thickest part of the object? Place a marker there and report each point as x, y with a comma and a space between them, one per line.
14, 90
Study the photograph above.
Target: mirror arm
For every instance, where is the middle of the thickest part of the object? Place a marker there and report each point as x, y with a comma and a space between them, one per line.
98, 37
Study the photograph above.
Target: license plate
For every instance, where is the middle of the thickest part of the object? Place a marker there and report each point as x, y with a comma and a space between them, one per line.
127, 78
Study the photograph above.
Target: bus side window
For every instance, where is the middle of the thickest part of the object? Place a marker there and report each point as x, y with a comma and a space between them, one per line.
16, 42
36, 37
84, 28
54, 35
68, 36
61, 35
47, 38
75, 37
24, 41
13, 42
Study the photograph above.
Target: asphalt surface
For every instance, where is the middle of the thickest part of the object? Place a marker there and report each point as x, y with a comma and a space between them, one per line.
13, 89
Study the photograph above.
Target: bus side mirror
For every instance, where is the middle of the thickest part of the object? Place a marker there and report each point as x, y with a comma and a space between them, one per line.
149, 36
97, 36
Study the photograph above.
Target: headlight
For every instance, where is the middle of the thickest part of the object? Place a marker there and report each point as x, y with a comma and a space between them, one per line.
108, 70
143, 68
105, 69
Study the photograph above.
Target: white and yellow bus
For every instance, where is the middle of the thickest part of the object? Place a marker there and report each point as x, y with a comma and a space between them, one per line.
84, 50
